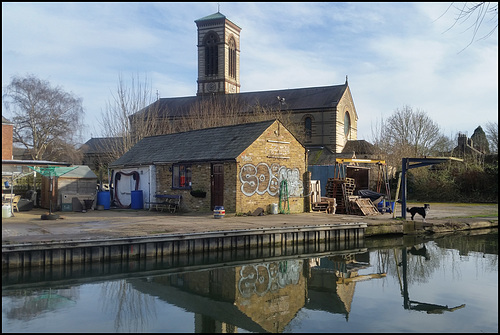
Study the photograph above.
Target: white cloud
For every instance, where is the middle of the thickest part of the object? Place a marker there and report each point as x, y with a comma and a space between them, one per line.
395, 54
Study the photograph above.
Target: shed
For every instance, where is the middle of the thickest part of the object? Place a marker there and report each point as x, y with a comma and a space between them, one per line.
80, 183
240, 167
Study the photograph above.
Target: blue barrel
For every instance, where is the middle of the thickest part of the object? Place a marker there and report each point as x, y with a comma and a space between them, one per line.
136, 200
219, 212
104, 198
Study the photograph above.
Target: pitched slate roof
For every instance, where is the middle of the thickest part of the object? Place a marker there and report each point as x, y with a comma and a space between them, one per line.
97, 145
81, 172
210, 144
214, 16
360, 147
309, 98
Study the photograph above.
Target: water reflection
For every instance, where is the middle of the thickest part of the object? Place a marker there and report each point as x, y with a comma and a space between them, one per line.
28, 305
430, 308
261, 297
278, 295
132, 310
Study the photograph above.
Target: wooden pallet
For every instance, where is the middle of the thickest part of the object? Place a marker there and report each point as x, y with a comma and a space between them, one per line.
365, 206
320, 206
340, 189
326, 205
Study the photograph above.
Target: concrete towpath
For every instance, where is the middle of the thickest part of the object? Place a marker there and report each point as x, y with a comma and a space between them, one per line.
28, 227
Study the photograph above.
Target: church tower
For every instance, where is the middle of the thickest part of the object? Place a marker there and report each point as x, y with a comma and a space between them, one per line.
218, 55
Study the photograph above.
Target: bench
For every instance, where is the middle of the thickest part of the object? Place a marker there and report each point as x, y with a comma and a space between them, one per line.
164, 202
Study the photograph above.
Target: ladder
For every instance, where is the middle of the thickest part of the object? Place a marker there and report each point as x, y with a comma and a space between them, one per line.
396, 197
383, 179
284, 198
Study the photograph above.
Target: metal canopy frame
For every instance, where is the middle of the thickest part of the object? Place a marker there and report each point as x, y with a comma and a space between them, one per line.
21, 163
412, 163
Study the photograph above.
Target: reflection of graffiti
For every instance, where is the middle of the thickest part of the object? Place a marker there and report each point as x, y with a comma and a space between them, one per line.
268, 277
264, 178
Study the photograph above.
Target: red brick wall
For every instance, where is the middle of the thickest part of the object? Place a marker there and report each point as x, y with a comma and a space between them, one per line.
7, 130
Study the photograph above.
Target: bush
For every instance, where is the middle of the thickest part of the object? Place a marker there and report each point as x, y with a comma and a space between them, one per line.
454, 182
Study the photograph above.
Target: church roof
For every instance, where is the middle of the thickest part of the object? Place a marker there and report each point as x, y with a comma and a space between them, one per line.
309, 98
210, 144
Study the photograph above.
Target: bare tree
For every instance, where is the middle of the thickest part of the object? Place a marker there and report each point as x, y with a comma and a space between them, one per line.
409, 133
47, 120
116, 120
226, 110
492, 136
476, 14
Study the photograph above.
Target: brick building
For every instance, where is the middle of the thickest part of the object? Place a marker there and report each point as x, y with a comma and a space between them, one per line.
240, 167
7, 133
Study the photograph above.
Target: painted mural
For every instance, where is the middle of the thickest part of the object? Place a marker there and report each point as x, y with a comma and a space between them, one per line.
264, 178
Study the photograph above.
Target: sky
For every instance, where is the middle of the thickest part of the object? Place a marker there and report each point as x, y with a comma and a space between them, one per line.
393, 54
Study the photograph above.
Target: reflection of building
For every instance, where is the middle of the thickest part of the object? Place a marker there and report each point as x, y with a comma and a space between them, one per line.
271, 293
332, 282
263, 297
33, 304
260, 298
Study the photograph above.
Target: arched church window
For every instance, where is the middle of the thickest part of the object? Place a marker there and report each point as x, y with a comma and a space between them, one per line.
232, 58
347, 124
211, 55
308, 128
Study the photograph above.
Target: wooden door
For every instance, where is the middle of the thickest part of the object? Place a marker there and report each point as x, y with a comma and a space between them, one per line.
217, 181
47, 195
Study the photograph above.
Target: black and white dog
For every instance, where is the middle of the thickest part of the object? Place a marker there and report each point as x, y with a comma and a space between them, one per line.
420, 210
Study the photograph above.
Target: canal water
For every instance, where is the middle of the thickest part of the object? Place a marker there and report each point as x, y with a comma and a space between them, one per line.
407, 284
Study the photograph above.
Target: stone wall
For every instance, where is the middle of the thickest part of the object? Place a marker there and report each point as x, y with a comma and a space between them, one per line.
275, 156
200, 180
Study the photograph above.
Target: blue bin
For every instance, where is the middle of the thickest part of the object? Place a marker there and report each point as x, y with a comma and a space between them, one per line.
104, 198
380, 205
136, 201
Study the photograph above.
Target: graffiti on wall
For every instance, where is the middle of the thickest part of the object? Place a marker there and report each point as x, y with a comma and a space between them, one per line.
268, 277
262, 178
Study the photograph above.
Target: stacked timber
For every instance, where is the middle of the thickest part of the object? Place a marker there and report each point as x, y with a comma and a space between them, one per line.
340, 189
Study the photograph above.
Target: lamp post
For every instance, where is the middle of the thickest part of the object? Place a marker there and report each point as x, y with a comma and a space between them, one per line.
280, 101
